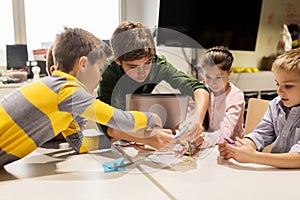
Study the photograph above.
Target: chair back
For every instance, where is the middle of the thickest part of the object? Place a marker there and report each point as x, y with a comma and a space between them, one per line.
255, 111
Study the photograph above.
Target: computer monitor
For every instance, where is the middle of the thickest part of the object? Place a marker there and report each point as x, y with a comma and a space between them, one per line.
171, 108
16, 56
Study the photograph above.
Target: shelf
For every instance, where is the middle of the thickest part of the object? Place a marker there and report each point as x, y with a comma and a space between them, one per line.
255, 81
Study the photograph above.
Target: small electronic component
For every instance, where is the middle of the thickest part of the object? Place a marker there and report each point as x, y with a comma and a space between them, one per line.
230, 141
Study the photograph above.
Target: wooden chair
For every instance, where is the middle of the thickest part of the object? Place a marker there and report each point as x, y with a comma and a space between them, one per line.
255, 111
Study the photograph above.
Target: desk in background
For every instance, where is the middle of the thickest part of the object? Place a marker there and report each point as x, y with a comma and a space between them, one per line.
8, 88
259, 82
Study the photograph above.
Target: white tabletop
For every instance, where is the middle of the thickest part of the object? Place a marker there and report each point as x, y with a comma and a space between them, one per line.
211, 177
62, 174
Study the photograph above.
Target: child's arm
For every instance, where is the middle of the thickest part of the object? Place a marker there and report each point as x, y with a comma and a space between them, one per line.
74, 137
279, 160
245, 152
78, 141
201, 106
158, 141
126, 121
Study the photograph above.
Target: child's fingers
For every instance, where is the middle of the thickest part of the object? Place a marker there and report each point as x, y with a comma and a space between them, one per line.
228, 152
231, 148
221, 145
239, 141
223, 149
168, 131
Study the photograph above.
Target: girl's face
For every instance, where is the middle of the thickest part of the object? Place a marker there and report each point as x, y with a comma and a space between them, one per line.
288, 88
137, 70
90, 75
216, 79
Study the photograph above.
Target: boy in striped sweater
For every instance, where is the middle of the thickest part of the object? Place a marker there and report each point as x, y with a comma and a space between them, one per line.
37, 112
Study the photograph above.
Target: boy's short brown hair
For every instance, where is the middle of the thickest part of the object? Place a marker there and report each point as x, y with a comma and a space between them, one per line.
288, 62
74, 43
132, 41
49, 60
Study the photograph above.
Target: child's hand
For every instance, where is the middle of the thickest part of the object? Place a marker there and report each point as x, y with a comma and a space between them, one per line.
187, 133
193, 133
243, 151
198, 138
223, 150
160, 139
157, 120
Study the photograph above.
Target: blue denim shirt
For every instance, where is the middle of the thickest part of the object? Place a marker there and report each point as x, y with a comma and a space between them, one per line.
279, 124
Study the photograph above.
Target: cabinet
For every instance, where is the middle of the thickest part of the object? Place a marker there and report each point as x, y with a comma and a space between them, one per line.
256, 84
260, 82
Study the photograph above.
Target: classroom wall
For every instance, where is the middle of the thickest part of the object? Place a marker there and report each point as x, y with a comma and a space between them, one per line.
274, 14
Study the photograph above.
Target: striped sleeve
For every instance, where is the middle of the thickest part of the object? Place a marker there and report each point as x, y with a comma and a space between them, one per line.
126, 121
77, 101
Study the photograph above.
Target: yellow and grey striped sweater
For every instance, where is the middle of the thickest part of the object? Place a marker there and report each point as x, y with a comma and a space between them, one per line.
37, 112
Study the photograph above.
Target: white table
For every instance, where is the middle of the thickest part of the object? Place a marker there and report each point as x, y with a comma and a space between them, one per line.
211, 177
61, 174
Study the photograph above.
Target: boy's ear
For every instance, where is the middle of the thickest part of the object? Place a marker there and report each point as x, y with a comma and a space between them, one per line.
82, 62
52, 69
117, 60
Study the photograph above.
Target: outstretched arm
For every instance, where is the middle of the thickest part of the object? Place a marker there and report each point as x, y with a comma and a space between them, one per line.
201, 106
245, 152
158, 141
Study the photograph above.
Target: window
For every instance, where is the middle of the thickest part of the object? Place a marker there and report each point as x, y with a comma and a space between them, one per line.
6, 28
44, 19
